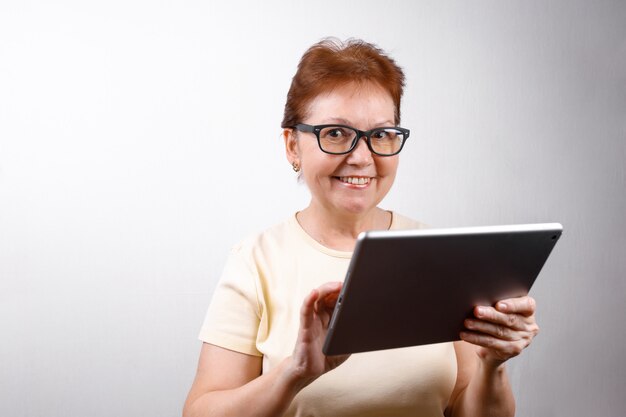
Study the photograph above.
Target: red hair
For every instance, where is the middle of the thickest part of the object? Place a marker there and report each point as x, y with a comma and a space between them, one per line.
331, 63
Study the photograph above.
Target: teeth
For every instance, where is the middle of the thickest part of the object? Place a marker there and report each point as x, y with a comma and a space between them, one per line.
355, 180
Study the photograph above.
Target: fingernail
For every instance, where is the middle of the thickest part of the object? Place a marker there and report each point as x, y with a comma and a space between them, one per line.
481, 311
502, 306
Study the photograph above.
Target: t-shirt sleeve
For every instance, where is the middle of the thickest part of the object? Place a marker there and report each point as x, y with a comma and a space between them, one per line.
232, 320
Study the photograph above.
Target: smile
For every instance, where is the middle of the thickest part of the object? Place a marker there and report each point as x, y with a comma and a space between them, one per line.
355, 180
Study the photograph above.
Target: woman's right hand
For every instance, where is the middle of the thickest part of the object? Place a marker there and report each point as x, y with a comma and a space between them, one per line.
308, 361
233, 383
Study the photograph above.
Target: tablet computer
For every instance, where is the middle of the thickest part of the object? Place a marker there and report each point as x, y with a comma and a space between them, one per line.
413, 287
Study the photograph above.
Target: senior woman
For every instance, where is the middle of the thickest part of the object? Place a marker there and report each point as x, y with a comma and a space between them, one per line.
267, 321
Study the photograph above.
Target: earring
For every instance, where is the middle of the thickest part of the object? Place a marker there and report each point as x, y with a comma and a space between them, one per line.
295, 167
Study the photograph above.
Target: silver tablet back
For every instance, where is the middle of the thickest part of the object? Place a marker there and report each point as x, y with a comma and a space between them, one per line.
413, 287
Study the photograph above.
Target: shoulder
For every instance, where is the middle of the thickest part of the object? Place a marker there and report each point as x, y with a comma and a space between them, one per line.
274, 238
249, 261
400, 222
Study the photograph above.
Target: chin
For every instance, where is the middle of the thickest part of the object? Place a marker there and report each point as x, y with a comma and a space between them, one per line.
357, 208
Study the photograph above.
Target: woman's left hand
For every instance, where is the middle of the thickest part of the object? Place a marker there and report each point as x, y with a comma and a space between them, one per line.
503, 331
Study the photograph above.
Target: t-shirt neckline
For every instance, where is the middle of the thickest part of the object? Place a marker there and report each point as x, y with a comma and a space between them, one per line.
321, 248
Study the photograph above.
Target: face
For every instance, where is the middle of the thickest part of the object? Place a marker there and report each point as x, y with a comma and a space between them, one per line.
356, 182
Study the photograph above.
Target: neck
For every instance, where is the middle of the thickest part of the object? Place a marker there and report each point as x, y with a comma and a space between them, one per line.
340, 231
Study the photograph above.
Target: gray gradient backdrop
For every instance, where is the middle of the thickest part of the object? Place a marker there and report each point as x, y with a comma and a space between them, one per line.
139, 140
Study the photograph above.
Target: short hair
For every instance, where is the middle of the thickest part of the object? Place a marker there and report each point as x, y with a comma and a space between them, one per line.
332, 63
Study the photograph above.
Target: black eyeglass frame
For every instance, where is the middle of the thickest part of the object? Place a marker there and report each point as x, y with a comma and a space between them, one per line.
302, 127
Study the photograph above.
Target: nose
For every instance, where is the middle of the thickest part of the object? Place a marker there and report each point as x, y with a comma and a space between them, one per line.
361, 154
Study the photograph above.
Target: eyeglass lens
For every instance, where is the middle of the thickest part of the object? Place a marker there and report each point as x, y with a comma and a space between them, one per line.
339, 139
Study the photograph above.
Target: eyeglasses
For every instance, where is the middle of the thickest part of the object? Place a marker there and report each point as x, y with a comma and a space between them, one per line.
342, 139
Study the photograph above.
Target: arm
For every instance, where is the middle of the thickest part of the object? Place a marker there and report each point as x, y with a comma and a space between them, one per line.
229, 383
480, 390
495, 335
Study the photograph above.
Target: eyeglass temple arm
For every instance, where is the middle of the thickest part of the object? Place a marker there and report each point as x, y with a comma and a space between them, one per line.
304, 128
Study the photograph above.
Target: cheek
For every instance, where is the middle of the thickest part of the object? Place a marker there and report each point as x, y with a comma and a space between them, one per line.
317, 171
388, 167
319, 165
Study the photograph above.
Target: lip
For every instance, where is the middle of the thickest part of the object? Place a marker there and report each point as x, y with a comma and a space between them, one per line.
354, 181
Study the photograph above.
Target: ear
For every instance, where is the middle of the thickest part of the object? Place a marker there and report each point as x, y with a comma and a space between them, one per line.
291, 146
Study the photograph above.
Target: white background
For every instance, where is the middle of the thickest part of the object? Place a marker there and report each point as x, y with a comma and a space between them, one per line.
140, 139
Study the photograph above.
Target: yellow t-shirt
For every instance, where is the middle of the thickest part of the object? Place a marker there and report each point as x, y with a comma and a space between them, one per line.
255, 310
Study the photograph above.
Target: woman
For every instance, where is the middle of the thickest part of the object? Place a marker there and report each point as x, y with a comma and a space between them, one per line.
262, 354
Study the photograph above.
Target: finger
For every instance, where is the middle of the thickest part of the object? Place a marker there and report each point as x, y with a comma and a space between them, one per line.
329, 288
328, 295
498, 331
521, 305
307, 309
513, 321
506, 349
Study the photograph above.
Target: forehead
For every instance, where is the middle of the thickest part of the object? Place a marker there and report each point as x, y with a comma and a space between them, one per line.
361, 103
